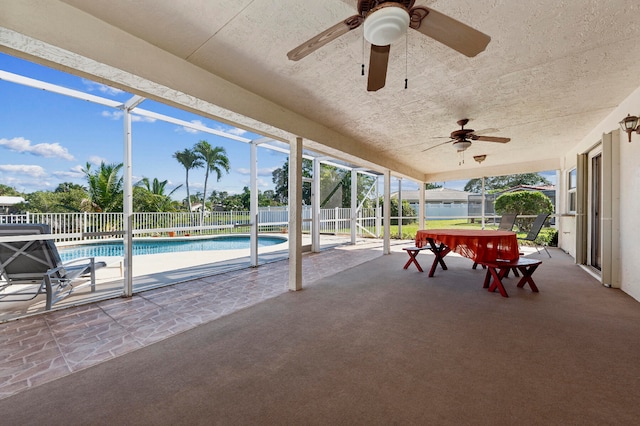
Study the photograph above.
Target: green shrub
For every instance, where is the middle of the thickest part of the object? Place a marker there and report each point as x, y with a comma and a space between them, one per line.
523, 203
407, 210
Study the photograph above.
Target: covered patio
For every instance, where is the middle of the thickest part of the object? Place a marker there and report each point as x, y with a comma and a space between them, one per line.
555, 81
369, 342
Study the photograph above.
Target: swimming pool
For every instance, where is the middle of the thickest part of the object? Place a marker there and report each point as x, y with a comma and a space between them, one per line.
155, 246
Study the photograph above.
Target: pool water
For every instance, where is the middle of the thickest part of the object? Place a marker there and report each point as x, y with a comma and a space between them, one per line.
151, 246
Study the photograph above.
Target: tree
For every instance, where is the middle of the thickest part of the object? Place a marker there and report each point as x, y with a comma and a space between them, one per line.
240, 201
68, 187
190, 160
280, 178
54, 202
105, 188
9, 191
267, 198
430, 185
335, 185
498, 183
215, 160
523, 203
150, 196
334, 180
407, 210
218, 200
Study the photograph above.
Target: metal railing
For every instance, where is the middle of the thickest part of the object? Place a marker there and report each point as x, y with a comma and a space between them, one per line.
94, 226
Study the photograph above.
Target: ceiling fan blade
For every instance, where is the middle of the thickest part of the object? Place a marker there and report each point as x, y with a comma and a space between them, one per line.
378, 62
485, 131
448, 31
325, 37
490, 139
435, 146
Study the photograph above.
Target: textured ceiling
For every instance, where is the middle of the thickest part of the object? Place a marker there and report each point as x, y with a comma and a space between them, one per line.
552, 71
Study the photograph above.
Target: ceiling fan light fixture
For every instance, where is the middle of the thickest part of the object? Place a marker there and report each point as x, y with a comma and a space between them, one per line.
461, 145
386, 25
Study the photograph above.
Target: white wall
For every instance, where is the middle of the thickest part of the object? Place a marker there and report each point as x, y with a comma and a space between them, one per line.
630, 212
629, 192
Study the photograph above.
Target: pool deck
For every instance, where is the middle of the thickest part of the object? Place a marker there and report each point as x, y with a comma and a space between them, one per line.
157, 270
40, 348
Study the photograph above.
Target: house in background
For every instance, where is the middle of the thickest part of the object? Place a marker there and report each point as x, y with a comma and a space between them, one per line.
7, 204
448, 203
475, 200
440, 203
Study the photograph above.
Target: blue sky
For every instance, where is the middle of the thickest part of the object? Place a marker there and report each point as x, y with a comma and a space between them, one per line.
47, 138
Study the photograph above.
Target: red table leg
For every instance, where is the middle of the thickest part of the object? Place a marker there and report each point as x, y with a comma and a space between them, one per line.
413, 252
497, 275
527, 272
497, 271
440, 252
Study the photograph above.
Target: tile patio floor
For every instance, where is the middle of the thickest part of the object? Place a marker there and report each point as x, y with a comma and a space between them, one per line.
42, 348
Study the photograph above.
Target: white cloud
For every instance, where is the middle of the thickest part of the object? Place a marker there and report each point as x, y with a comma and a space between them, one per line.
92, 86
117, 115
265, 171
73, 173
24, 169
232, 131
190, 129
235, 131
94, 159
48, 150
140, 119
68, 175
113, 115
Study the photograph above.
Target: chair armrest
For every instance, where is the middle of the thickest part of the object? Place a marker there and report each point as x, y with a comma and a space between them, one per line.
79, 259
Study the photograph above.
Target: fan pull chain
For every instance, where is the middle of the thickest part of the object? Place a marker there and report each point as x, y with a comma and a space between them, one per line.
363, 55
406, 61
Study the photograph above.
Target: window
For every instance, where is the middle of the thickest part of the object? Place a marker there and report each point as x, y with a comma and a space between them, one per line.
572, 186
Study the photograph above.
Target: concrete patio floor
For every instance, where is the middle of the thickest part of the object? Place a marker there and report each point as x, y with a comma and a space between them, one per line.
40, 348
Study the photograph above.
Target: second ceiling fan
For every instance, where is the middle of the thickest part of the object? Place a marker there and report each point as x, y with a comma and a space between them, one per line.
386, 21
461, 139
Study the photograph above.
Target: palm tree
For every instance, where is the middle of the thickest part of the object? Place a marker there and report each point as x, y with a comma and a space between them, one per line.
215, 160
156, 187
190, 160
105, 187
155, 200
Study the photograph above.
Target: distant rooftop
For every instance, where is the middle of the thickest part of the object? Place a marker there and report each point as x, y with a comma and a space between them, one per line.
436, 194
6, 200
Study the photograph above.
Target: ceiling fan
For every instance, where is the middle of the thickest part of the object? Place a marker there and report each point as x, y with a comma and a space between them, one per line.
462, 138
386, 21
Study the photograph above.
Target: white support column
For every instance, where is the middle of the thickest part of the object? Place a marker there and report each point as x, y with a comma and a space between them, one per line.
483, 202
354, 205
386, 214
421, 207
400, 208
253, 205
315, 207
295, 215
127, 208
378, 216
